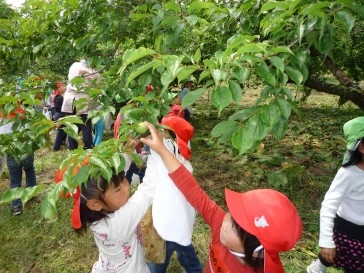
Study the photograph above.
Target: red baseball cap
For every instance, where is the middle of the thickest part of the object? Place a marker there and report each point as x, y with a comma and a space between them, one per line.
271, 217
184, 132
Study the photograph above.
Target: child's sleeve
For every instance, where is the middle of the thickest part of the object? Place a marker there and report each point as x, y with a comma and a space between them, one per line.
197, 197
339, 188
125, 220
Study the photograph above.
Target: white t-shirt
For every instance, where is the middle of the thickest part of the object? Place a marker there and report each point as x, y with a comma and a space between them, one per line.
77, 69
345, 197
173, 215
118, 236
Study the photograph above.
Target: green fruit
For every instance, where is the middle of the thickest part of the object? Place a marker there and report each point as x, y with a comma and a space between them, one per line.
132, 84
141, 128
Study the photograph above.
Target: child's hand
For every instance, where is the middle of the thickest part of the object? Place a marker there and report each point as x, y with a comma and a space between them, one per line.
154, 141
328, 254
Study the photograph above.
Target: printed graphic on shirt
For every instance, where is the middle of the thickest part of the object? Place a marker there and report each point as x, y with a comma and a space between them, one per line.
215, 262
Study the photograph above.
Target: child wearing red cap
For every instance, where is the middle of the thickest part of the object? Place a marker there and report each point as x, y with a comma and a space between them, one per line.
342, 211
113, 216
260, 223
173, 215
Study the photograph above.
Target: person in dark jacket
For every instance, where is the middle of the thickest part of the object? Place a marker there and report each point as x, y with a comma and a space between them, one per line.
58, 101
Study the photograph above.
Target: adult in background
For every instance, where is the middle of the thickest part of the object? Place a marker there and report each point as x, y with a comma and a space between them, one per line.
72, 94
58, 102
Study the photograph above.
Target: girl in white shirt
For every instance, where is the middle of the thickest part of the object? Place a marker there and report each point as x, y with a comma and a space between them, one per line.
113, 216
342, 211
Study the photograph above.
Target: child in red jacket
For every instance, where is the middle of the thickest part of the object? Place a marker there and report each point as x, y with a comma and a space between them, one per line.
259, 225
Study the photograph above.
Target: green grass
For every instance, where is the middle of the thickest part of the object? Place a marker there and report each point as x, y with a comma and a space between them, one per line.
309, 156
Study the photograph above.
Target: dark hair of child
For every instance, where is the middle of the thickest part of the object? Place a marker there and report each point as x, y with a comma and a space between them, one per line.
95, 188
355, 157
250, 243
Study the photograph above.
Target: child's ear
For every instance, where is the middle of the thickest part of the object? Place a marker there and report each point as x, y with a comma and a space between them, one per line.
94, 204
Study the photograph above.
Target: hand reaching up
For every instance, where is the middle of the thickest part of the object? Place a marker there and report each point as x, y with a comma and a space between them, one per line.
154, 141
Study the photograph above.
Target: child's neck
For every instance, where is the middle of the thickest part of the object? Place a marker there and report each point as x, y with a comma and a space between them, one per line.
360, 165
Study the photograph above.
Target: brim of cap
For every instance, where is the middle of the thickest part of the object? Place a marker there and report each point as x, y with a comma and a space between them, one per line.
236, 208
272, 263
353, 145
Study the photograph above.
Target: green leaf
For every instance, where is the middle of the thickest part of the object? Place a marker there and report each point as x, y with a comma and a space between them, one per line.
270, 114
172, 6
48, 207
71, 130
192, 96
132, 55
166, 79
203, 75
36, 49
264, 72
141, 69
197, 56
115, 161
314, 7
279, 49
70, 119
172, 63
251, 48
277, 62
217, 75
272, 5
221, 97
242, 114
199, 5
185, 72
224, 130
286, 91
236, 90
82, 175
245, 139
98, 161
294, 74
280, 128
346, 20
256, 127
223, 126
285, 108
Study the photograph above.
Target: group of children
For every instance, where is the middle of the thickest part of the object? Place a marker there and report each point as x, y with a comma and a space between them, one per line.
248, 238
258, 226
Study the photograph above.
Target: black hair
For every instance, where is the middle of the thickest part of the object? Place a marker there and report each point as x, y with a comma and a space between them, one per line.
355, 156
250, 243
95, 188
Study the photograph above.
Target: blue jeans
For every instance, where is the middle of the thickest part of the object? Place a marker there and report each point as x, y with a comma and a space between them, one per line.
16, 171
186, 256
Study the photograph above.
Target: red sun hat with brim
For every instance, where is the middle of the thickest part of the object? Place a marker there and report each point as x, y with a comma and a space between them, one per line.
271, 217
184, 132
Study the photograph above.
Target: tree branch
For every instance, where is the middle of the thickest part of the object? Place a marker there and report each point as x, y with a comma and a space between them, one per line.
337, 72
355, 95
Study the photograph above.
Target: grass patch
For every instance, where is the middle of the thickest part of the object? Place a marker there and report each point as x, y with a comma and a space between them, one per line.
308, 156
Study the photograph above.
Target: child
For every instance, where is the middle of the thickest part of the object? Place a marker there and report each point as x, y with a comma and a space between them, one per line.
342, 211
260, 223
173, 216
113, 216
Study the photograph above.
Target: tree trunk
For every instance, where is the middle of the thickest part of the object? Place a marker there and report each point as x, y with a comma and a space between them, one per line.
355, 95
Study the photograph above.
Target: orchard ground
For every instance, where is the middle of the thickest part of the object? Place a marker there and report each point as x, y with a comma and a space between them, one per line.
301, 165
